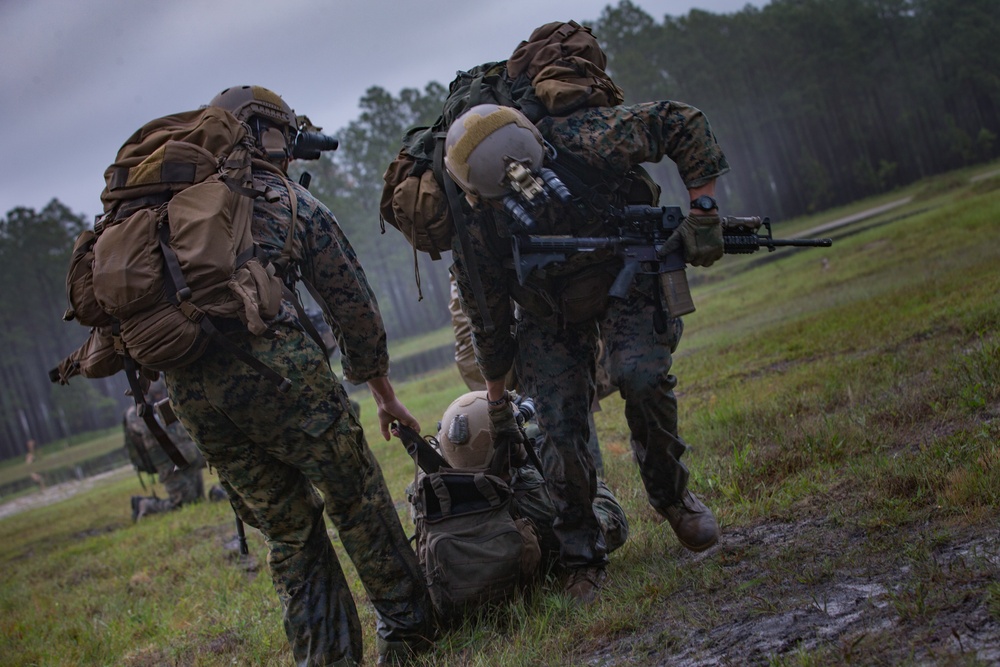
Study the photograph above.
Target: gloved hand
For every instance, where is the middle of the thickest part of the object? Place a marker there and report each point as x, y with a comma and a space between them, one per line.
504, 428
702, 239
501, 414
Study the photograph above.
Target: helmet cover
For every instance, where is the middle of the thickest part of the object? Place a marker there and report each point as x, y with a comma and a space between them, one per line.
244, 102
464, 435
483, 141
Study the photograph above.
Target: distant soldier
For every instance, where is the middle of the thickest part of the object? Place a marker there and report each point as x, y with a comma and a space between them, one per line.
147, 455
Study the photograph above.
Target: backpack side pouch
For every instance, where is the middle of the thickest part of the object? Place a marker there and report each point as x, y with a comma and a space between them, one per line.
420, 210
83, 305
162, 338
96, 358
210, 232
128, 273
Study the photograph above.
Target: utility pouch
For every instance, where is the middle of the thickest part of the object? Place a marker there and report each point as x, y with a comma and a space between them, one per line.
676, 293
584, 294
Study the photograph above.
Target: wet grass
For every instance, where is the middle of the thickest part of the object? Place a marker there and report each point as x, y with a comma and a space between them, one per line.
843, 408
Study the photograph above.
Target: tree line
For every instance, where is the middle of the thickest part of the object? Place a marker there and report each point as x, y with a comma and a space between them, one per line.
817, 103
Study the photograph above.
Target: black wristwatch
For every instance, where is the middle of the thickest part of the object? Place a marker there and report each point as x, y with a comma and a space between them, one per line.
704, 203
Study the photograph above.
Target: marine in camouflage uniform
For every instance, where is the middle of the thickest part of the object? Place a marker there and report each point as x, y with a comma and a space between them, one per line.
555, 357
287, 457
182, 486
465, 359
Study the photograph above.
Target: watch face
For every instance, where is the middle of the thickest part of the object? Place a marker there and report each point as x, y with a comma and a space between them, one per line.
704, 203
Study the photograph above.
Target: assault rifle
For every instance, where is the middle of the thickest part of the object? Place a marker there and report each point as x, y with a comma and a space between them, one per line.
643, 238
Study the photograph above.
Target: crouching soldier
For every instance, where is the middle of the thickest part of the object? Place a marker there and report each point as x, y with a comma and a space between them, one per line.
483, 516
465, 441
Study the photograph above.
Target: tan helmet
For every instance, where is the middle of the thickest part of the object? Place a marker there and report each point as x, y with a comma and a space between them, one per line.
245, 102
250, 103
486, 144
464, 434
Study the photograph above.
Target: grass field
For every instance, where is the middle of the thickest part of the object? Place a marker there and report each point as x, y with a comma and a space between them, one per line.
844, 411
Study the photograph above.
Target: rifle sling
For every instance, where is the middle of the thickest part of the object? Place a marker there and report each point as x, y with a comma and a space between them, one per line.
458, 217
422, 453
282, 383
307, 323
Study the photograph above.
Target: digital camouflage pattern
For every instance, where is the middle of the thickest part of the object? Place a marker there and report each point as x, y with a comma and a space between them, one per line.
285, 458
555, 360
616, 139
465, 355
182, 486
330, 264
532, 501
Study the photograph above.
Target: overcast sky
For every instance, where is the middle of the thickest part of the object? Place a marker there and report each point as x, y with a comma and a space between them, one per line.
77, 77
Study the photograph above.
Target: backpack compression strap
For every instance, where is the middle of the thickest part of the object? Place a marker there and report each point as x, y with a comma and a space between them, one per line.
444, 497
181, 296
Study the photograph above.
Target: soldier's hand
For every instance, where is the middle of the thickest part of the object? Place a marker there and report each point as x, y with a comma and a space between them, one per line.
389, 408
503, 426
394, 411
701, 236
501, 414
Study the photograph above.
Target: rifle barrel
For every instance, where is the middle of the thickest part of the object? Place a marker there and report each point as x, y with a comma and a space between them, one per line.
807, 243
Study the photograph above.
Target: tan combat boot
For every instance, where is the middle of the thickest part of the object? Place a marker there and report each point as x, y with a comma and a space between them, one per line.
693, 522
584, 583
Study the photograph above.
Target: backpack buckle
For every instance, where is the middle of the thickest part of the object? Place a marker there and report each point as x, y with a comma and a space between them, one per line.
191, 311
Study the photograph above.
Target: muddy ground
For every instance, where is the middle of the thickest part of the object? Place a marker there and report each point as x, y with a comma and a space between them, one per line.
923, 605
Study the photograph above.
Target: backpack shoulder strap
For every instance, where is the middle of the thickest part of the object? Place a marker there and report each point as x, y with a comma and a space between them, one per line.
292, 251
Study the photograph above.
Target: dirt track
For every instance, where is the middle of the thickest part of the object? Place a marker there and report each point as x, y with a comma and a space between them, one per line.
56, 492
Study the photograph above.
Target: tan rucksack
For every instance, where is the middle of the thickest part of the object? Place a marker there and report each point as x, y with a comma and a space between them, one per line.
172, 259
171, 264
558, 69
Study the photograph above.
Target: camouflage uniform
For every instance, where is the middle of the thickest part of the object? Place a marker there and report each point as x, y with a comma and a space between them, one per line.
534, 502
465, 359
465, 355
277, 453
555, 359
182, 486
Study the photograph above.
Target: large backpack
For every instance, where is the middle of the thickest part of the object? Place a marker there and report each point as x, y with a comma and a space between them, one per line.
473, 547
171, 264
557, 70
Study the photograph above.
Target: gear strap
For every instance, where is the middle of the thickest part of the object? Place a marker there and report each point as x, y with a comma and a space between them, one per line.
145, 411
458, 217
419, 449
